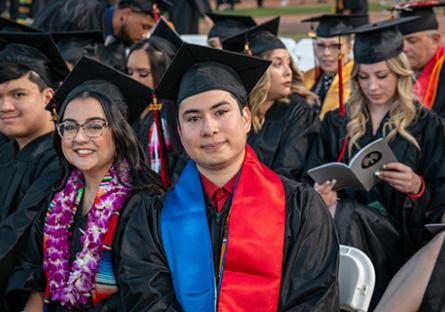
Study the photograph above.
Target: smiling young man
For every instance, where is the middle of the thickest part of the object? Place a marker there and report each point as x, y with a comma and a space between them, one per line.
231, 235
426, 53
31, 67
323, 79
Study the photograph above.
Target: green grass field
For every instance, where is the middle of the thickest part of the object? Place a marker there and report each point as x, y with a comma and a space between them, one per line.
292, 10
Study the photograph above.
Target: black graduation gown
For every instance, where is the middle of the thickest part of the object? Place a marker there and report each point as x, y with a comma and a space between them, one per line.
3, 139
27, 177
28, 276
82, 15
439, 102
434, 298
142, 128
392, 235
185, 14
282, 144
310, 259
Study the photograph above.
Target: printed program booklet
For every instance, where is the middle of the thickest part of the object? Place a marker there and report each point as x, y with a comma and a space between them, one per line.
360, 172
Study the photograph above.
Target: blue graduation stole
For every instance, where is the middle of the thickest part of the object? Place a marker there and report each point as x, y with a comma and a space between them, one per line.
183, 220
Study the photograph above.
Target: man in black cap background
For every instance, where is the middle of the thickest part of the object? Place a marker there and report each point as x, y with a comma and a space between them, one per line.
121, 25
31, 68
424, 48
323, 79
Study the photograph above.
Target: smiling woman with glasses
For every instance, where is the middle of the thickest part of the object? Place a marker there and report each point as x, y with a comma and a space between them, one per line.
72, 258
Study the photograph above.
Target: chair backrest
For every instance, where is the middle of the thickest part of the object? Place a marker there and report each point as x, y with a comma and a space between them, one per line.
356, 279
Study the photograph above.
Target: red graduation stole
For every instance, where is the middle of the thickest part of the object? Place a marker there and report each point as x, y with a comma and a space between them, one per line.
428, 81
254, 255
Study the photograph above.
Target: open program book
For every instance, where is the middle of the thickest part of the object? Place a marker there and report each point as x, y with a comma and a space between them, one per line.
360, 173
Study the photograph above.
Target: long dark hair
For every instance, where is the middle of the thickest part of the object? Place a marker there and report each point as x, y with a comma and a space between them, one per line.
159, 60
127, 145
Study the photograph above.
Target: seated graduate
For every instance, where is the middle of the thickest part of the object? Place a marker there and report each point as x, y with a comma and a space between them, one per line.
418, 286
31, 68
324, 79
147, 61
72, 255
231, 234
381, 105
282, 119
225, 26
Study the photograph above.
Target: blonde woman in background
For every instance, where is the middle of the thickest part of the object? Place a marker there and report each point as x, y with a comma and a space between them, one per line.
283, 122
386, 222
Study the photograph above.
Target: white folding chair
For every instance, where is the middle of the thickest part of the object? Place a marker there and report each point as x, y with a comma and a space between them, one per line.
356, 279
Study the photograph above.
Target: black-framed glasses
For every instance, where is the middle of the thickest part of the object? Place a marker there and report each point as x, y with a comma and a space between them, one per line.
93, 128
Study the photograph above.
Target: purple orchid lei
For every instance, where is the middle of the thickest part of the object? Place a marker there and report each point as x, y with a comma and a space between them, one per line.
71, 283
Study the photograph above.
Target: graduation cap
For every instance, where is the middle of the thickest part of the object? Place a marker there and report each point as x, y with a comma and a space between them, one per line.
378, 42
90, 75
196, 69
36, 51
226, 26
73, 45
164, 38
422, 9
329, 25
147, 6
10, 25
257, 39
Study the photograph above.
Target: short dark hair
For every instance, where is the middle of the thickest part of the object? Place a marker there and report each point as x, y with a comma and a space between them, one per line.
127, 145
12, 71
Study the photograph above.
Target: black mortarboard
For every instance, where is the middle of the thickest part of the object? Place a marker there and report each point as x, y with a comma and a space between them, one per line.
226, 26
378, 42
164, 38
331, 24
196, 69
9, 25
257, 39
73, 45
90, 75
146, 6
37, 51
422, 9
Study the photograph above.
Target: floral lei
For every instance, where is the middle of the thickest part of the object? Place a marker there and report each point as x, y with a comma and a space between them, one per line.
71, 283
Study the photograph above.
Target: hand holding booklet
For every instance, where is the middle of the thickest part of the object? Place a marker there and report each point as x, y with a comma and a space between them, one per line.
360, 172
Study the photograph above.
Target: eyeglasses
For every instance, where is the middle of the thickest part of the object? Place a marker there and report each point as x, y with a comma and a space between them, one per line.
333, 48
92, 128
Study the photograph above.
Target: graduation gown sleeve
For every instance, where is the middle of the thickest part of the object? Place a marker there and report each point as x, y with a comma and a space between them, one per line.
14, 228
310, 260
434, 298
282, 144
28, 276
144, 275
